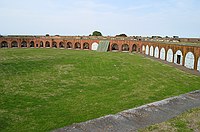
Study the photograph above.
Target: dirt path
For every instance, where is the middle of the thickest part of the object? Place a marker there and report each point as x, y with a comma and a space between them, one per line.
143, 116
182, 68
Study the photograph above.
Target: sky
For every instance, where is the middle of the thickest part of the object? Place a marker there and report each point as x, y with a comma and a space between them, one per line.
110, 17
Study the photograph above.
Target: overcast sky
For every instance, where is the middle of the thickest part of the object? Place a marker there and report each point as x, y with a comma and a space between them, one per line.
111, 17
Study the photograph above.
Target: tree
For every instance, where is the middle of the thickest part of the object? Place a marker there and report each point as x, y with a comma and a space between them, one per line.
121, 35
96, 33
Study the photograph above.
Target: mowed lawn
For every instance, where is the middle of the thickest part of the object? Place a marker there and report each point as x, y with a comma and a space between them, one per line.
45, 89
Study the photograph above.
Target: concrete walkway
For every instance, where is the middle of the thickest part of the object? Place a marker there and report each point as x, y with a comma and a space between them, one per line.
134, 119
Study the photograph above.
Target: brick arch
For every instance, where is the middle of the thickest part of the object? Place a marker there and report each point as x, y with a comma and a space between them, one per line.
32, 44
162, 53
198, 64
143, 49
61, 44
24, 44
14, 44
94, 46
170, 55
4, 44
134, 47
77, 45
125, 47
156, 52
151, 53
54, 44
147, 49
86, 45
189, 60
178, 57
115, 47
69, 45
47, 44
41, 44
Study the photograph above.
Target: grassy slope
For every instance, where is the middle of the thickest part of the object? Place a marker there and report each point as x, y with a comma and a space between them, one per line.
186, 122
44, 89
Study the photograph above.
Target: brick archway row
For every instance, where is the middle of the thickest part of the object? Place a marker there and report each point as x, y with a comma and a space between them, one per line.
188, 56
70, 44
123, 45
148, 48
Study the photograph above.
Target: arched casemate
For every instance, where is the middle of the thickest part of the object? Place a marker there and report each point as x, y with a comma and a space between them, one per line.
61, 45
156, 52
134, 48
41, 44
115, 47
86, 45
94, 46
125, 47
24, 44
143, 49
4, 44
69, 45
178, 57
14, 44
54, 44
32, 44
147, 50
77, 45
170, 55
189, 60
47, 44
162, 54
198, 65
151, 51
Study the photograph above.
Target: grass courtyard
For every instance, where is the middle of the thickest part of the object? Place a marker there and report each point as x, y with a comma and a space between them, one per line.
45, 89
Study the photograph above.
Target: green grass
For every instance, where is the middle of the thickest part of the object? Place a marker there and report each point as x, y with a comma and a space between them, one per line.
45, 89
186, 122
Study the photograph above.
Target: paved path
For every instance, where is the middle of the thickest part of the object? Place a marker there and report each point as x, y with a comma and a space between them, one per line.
134, 119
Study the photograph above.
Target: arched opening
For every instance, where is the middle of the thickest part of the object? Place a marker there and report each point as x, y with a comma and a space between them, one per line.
41, 44
125, 47
31, 44
24, 44
61, 45
156, 52
77, 45
4, 44
178, 57
151, 51
54, 44
147, 50
138, 49
69, 45
189, 60
85, 46
14, 44
162, 54
134, 48
47, 44
198, 65
143, 49
170, 55
115, 47
94, 46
